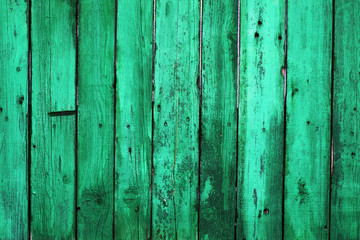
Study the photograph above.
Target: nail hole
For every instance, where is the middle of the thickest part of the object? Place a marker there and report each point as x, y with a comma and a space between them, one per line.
100, 125
352, 133
266, 211
256, 35
129, 150
6, 118
165, 124
229, 124
295, 91
128, 126
264, 130
280, 37
18, 69
308, 122
352, 154
21, 100
260, 22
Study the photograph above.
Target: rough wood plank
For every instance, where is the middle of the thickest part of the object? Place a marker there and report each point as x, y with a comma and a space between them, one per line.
53, 137
59, 30
345, 202
54, 36
13, 119
133, 120
219, 119
176, 117
307, 169
96, 119
261, 119
52, 171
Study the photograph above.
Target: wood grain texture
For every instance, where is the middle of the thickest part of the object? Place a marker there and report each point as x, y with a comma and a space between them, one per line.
13, 119
345, 202
52, 171
307, 169
133, 120
261, 120
54, 35
53, 137
219, 119
176, 119
96, 119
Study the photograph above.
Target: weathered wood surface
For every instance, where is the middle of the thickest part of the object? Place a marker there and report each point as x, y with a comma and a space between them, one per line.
115, 142
219, 119
345, 202
52, 175
261, 120
133, 120
307, 169
13, 119
53, 43
176, 120
96, 119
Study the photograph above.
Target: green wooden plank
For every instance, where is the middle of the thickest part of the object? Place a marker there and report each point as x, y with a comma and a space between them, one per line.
53, 137
261, 119
345, 202
96, 119
219, 119
176, 119
54, 36
13, 119
52, 170
307, 169
133, 120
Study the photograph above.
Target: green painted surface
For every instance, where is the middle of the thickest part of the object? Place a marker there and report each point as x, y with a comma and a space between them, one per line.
53, 137
256, 103
307, 169
13, 119
52, 172
345, 202
133, 120
53, 46
176, 119
96, 119
219, 103
261, 120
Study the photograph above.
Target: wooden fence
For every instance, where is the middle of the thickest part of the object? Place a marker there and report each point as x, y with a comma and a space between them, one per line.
179, 119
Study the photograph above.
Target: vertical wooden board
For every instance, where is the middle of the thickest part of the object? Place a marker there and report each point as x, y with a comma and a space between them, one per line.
13, 119
307, 169
52, 170
261, 119
219, 119
96, 119
133, 120
345, 203
53, 40
176, 119
62, 37
53, 136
